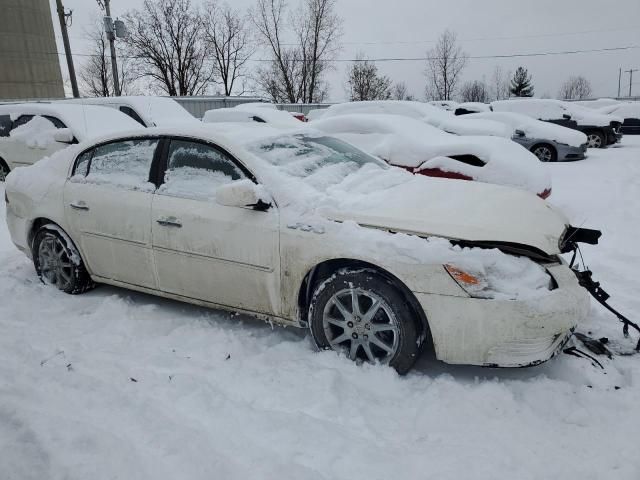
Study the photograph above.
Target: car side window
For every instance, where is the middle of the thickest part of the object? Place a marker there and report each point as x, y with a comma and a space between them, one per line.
56, 121
196, 170
5, 125
22, 120
82, 164
124, 163
133, 114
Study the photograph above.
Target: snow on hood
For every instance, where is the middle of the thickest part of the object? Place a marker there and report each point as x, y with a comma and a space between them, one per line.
410, 143
424, 112
364, 190
534, 128
622, 110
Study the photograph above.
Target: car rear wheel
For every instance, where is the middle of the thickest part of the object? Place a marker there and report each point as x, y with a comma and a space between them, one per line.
595, 139
4, 170
362, 314
58, 262
545, 152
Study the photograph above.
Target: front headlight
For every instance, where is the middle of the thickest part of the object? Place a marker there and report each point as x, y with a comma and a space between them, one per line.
528, 281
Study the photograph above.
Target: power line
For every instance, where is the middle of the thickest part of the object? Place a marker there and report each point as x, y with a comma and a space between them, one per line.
481, 39
397, 59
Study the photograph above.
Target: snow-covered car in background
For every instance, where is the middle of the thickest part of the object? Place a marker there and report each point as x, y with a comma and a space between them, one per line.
305, 230
31, 131
148, 111
601, 130
472, 107
629, 113
423, 149
547, 141
448, 105
424, 112
251, 113
597, 103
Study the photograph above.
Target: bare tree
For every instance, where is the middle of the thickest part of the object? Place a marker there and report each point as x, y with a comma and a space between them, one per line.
401, 92
444, 65
575, 88
229, 43
364, 82
96, 74
500, 83
296, 73
166, 38
475, 91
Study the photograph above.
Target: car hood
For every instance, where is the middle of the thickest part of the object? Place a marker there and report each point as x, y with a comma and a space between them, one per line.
470, 212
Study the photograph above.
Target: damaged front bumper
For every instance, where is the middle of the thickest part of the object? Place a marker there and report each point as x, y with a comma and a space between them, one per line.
506, 333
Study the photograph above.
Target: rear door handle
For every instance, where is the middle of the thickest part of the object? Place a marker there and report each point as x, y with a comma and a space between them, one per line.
169, 222
79, 205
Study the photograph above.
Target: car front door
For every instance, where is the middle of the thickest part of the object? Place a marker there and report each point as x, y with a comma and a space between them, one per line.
108, 206
203, 250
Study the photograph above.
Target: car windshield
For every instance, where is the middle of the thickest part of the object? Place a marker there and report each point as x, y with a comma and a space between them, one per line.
323, 160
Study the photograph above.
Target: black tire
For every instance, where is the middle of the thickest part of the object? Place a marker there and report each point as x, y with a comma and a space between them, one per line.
596, 139
545, 152
401, 340
4, 170
62, 266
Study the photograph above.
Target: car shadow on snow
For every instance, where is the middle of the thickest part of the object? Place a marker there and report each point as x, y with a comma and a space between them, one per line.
427, 364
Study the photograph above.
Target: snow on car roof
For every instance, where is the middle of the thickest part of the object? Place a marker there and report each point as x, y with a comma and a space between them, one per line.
86, 121
421, 111
154, 110
248, 113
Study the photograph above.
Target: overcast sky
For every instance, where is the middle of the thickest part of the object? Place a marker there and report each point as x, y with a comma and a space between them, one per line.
408, 28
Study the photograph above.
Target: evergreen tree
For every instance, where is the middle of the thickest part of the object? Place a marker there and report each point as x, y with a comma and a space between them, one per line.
521, 83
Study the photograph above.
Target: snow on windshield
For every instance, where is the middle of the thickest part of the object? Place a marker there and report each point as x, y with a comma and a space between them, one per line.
318, 160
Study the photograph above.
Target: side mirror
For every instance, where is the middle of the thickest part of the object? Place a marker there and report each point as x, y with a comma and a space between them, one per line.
566, 116
63, 135
520, 133
244, 194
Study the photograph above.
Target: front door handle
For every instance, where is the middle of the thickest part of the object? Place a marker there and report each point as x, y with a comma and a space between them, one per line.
169, 222
79, 205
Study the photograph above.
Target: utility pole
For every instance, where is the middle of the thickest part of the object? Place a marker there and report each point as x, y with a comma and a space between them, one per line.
67, 48
630, 72
619, 80
111, 36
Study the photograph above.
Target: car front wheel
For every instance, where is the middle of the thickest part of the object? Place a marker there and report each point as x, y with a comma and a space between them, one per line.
545, 152
362, 314
595, 140
58, 262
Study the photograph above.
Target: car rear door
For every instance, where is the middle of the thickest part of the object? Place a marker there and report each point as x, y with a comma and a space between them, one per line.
108, 206
203, 250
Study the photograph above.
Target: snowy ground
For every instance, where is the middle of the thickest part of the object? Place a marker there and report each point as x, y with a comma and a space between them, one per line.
115, 384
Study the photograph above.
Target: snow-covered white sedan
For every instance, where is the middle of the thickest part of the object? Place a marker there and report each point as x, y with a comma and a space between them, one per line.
32, 131
252, 113
547, 141
426, 150
305, 230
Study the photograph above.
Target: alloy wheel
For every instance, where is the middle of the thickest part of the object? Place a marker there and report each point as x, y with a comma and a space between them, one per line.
55, 265
594, 141
543, 153
362, 324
